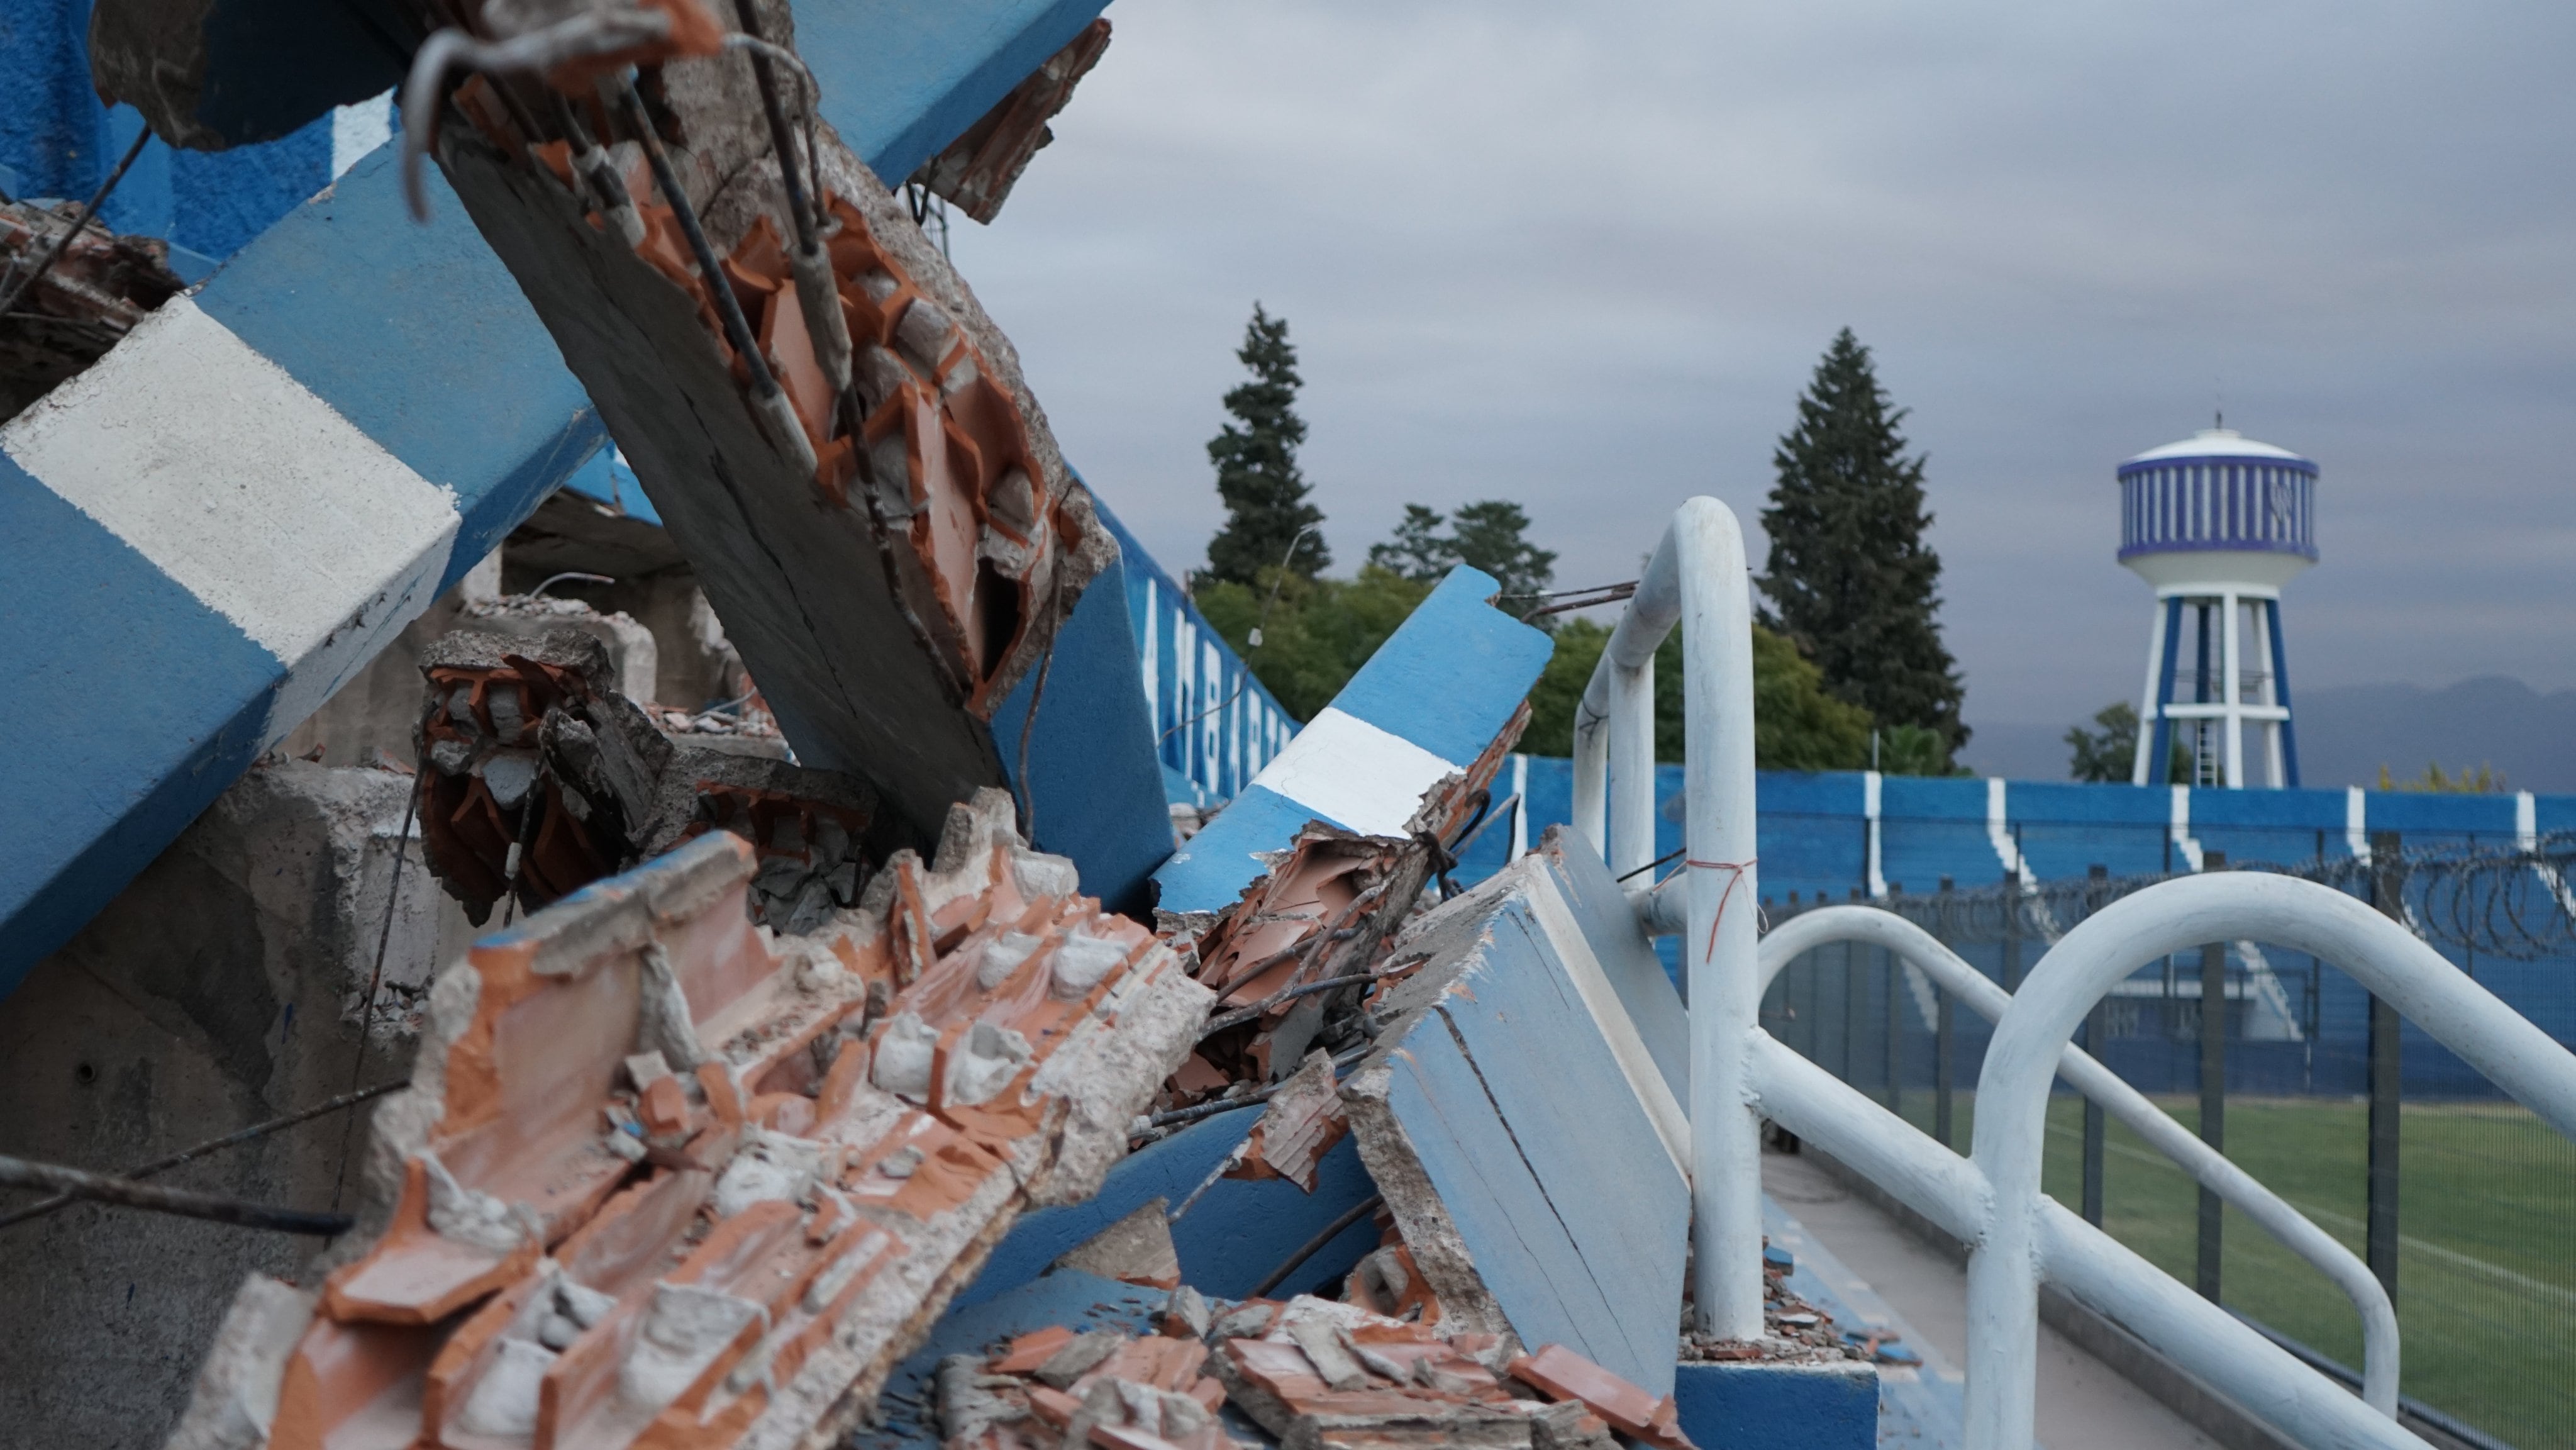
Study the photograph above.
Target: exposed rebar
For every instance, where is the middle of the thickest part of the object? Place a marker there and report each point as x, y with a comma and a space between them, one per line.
126, 1193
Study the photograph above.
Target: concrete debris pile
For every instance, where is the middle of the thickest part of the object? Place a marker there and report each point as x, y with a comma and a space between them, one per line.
895, 539
85, 302
665, 1178
1307, 1374
1294, 958
541, 778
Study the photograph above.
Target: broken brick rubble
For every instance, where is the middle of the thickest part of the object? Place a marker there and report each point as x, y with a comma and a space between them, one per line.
542, 778
664, 1177
96, 290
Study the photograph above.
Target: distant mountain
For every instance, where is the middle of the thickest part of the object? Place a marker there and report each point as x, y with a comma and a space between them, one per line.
2346, 734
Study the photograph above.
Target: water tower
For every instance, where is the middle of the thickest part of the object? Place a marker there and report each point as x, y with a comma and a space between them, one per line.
2217, 523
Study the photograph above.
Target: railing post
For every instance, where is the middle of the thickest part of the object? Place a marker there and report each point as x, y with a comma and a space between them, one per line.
2213, 1092
2093, 1125
2012, 932
2388, 893
1851, 984
1943, 1039
1721, 951
1895, 1037
2096, 1029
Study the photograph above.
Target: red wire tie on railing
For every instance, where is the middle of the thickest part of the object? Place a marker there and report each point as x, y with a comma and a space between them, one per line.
1738, 869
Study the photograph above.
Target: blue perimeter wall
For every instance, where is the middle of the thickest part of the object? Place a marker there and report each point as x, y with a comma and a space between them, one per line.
1813, 842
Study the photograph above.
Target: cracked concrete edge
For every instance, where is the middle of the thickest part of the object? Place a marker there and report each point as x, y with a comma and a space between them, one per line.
1453, 937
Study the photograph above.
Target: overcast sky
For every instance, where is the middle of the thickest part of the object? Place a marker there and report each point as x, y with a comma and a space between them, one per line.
1585, 257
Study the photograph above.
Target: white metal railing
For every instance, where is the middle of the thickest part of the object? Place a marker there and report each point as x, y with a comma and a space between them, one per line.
1696, 579
1984, 996
1990, 1200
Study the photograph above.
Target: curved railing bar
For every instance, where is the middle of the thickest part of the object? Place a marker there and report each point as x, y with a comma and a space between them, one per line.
1987, 998
1696, 580
2206, 1341
2004, 1271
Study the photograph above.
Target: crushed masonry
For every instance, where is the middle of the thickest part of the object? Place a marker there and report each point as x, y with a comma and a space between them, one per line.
666, 1178
1308, 1374
870, 496
1794, 1331
541, 778
1299, 1125
93, 294
978, 169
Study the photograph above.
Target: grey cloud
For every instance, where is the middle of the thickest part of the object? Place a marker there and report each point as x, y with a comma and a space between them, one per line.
1585, 256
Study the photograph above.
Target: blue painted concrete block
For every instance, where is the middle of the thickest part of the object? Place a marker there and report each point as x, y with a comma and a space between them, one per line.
1513, 1080
1431, 700
1779, 1407
1230, 1240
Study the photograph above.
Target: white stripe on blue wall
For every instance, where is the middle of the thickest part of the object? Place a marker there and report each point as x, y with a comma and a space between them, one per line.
253, 494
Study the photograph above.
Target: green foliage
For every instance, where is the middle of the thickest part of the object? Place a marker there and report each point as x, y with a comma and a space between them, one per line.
1796, 725
1317, 635
1256, 466
2485, 780
1490, 534
2107, 755
1852, 582
1914, 750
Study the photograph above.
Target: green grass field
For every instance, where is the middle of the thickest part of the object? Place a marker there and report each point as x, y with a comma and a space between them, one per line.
2486, 1301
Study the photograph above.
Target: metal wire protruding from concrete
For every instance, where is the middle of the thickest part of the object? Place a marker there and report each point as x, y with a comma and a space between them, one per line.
126, 1193
238, 1136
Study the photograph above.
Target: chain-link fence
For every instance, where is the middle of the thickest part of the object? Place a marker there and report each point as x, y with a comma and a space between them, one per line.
2463, 1202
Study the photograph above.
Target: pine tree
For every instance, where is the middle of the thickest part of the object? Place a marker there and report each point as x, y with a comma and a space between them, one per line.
1256, 466
1491, 535
1850, 580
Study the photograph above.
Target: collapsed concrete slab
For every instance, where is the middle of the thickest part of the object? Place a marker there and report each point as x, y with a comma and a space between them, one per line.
1510, 1084
978, 169
663, 1176
829, 425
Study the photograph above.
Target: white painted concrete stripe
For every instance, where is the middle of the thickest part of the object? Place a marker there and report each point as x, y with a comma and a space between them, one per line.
359, 129
2178, 827
252, 493
1345, 769
1999, 834
1654, 1094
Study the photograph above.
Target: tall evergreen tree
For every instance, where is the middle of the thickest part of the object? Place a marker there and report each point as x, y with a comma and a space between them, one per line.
1850, 579
1491, 535
1256, 466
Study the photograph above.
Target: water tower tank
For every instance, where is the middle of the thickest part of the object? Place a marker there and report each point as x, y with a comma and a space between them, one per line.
2217, 523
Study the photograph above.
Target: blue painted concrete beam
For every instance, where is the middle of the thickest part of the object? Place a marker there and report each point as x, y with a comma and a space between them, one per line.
231, 513
1094, 789
1432, 700
267, 481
